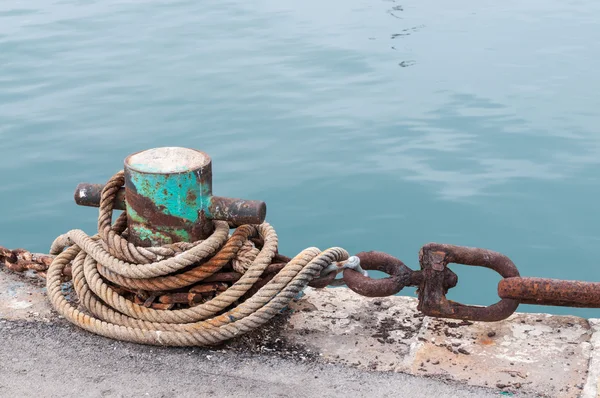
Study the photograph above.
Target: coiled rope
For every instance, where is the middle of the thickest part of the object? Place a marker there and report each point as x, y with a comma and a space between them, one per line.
104, 263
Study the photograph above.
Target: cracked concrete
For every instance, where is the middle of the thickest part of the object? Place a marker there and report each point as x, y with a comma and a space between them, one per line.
526, 353
536, 355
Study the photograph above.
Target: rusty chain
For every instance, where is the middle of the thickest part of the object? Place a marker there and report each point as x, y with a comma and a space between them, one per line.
21, 260
433, 281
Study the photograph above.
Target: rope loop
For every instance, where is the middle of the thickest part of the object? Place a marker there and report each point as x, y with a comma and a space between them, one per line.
181, 294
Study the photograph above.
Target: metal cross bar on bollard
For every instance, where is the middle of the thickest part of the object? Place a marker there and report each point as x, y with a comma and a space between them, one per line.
168, 197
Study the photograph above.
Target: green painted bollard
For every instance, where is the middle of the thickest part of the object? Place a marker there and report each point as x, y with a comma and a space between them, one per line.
168, 197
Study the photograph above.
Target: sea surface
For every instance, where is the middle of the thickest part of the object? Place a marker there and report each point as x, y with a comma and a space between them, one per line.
365, 124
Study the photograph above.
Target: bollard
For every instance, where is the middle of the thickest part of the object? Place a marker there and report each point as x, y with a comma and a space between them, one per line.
168, 197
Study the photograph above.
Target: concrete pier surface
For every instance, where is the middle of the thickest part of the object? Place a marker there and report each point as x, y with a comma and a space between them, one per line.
330, 342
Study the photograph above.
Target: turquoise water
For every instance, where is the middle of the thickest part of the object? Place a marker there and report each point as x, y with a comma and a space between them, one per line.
371, 125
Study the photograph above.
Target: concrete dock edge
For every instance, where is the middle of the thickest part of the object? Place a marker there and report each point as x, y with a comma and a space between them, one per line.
527, 354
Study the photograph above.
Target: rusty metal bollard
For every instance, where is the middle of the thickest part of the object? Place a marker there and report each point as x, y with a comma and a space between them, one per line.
168, 197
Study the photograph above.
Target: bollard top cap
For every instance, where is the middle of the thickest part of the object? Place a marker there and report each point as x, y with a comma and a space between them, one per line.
167, 160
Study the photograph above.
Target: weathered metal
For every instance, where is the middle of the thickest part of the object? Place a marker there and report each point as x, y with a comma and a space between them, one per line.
181, 298
168, 197
89, 195
20, 260
555, 292
238, 211
165, 190
324, 281
209, 288
223, 277
434, 259
400, 275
